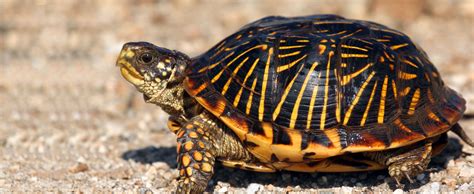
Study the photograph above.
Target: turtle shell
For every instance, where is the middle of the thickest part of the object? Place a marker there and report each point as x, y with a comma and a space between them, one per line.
302, 89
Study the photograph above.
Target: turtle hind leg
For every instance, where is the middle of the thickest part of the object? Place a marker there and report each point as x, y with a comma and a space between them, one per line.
405, 162
457, 129
410, 163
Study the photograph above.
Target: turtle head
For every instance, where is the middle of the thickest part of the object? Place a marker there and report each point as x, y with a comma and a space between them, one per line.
153, 70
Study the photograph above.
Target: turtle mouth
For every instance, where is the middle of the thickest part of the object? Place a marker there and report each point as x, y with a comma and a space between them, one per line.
130, 73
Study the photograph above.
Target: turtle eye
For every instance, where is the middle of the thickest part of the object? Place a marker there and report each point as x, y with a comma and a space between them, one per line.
146, 58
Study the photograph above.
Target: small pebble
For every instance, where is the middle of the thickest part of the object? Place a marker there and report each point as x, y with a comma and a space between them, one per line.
398, 191
346, 189
435, 186
420, 177
222, 190
464, 187
253, 187
466, 172
79, 167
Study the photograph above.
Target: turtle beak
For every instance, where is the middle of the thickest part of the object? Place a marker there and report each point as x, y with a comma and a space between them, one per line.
124, 62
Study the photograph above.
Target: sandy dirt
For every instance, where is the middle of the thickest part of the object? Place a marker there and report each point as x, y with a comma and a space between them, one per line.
69, 122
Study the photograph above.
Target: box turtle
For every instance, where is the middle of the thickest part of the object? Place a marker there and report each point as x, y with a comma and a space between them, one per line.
313, 94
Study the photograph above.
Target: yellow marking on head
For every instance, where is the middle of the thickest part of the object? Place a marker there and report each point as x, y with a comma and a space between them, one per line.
285, 93
356, 99
226, 86
294, 113
215, 78
354, 47
326, 91
249, 102
366, 112
261, 107
395, 47
406, 76
160, 65
311, 104
322, 48
289, 54
343, 65
291, 47
290, 65
345, 79
127, 53
324, 40
414, 102
381, 114
282, 41
394, 87
346, 55
238, 36
302, 40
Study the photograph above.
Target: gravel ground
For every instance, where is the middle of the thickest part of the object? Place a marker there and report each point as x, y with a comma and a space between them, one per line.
69, 122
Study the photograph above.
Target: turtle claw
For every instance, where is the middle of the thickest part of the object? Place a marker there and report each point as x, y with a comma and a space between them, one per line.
408, 177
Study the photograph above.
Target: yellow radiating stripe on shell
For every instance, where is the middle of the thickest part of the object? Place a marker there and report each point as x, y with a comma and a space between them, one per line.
326, 91
348, 35
347, 78
395, 47
261, 107
291, 47
289, 54
311, 104
226, 86
215, 64
407, 76
354, 47
303, 40
414, 101
394, 87
287, 66
366, 112
215, 78
346, 55
237, 98
381, 115
294, 113
322, 48
285, 93
249, 102
356, 100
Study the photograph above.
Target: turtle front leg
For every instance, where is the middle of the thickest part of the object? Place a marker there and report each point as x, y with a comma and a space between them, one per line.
195, 157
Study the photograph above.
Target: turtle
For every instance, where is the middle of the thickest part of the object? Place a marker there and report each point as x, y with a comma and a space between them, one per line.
317, 93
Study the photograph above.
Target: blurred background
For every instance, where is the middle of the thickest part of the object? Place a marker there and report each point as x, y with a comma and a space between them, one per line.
68, 121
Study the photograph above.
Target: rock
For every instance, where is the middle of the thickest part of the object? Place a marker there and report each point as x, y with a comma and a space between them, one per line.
346, 189
78, 167
398, 191
464, 187
435, 186
466, 172
222, 190
420, 177
254, 187
450, 182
